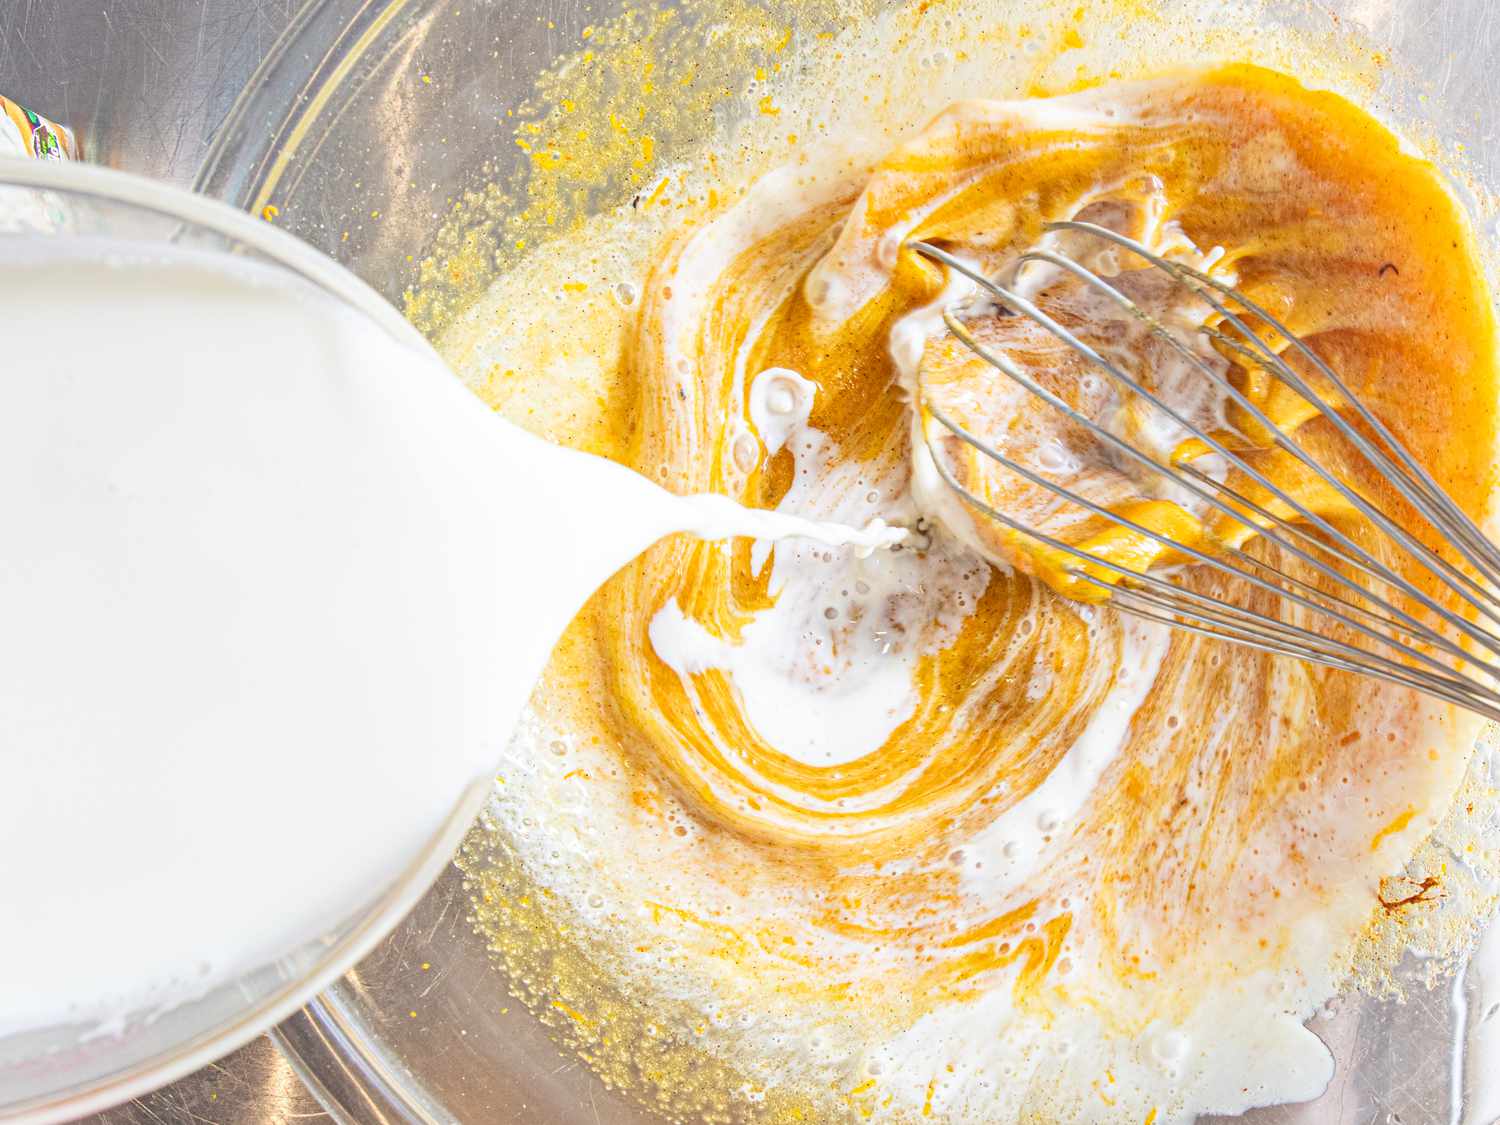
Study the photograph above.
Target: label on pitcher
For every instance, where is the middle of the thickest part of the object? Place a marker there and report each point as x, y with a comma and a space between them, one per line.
24, 133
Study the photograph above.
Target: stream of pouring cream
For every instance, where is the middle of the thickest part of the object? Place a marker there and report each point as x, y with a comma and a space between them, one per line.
264, 619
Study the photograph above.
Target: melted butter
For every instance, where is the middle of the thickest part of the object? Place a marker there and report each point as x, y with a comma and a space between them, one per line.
1087, 873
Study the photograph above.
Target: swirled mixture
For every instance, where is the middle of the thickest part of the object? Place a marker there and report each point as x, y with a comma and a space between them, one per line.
910, 836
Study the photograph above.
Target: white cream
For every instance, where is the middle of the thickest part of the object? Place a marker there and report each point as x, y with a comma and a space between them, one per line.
1237, 1049
825, 674
1013, 845
780, 402
816, 707
264, 565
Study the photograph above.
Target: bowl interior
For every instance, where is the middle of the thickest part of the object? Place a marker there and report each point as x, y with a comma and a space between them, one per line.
366, 130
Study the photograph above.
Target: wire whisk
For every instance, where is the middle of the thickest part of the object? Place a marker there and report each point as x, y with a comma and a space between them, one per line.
1402, 589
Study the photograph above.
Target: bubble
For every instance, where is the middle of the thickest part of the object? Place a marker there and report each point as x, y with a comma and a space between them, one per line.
822, 290
780, 399
1053, 458
1170, 1047
907, 344
746, 452
1011, 850
1048, 821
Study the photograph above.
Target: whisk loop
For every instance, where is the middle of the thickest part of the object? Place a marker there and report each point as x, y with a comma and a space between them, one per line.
1372, 617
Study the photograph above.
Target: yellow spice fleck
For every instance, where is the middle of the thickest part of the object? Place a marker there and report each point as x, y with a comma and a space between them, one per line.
1395, 826
573, 1014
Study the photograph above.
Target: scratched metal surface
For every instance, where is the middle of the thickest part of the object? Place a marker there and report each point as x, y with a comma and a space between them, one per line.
145, 83
253, 1086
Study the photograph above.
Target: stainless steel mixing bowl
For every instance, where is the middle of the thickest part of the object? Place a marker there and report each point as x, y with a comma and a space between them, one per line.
364, 158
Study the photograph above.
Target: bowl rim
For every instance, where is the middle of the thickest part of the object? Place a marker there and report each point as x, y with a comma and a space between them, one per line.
287, 95
364, 930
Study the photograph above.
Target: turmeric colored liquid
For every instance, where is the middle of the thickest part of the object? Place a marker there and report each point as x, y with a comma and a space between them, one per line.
1087, 870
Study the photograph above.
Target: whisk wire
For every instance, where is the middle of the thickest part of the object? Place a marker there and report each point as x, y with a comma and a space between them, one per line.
1206, 609
1028, 309
1250, 638
1364, 613
1272, 636
1283, 440
1415, 632
1160, 332
1427, 497
1273, 364
1009, 368
1135, 578
1432, 492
